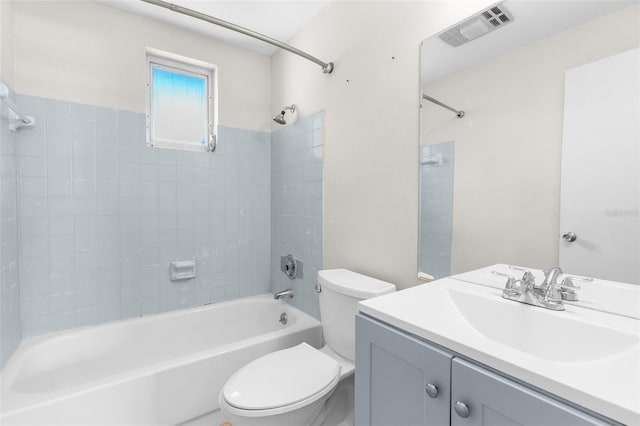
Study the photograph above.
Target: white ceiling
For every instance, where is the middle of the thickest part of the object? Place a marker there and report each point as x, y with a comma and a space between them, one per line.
277, 19
533, 20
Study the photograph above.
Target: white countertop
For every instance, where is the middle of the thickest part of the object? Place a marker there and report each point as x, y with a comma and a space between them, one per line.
592, 376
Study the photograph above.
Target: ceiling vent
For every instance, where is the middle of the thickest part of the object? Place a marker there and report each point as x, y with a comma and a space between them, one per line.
487, 21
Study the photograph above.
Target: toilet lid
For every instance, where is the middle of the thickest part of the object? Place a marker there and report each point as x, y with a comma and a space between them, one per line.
281, 378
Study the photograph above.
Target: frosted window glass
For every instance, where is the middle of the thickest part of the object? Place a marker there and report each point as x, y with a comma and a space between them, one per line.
179, 106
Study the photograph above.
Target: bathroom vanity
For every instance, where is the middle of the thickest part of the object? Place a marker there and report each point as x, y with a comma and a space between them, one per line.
455, 352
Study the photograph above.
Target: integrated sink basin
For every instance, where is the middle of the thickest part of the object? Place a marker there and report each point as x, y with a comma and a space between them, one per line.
585, 356
555, 336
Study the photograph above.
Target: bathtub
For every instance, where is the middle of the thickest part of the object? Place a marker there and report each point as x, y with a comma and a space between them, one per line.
158, 370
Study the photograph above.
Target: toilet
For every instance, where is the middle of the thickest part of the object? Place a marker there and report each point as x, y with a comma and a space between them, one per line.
293, 387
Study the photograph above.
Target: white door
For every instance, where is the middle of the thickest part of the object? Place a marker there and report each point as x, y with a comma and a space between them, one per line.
600, 159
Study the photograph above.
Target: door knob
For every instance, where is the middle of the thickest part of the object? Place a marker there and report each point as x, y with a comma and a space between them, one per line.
461, 409
569, 237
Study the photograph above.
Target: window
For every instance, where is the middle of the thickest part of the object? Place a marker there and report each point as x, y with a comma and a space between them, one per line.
181, 102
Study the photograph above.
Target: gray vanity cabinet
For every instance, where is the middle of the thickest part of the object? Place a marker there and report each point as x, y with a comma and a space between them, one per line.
394, 371
400, 380
493, 400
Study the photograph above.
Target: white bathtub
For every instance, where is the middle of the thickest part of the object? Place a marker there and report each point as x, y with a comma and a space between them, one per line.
158, 370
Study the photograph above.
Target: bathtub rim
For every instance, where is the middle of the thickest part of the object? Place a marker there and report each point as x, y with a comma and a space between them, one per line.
30, 341
13, 402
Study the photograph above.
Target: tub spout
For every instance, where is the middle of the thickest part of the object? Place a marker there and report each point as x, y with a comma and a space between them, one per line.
284, 294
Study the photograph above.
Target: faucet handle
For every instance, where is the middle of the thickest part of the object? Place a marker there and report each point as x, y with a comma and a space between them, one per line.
527, 281
568, 284
571, 278
527, 276
568, 291
510, 278
556, 293
510, 286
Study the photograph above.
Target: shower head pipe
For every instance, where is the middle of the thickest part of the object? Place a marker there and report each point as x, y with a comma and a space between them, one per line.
280, 117
327, 67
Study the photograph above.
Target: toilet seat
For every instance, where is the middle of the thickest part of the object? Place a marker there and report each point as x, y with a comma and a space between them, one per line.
281, 381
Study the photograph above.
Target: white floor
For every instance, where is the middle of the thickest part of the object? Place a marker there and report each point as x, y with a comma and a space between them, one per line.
341, 409
214, 418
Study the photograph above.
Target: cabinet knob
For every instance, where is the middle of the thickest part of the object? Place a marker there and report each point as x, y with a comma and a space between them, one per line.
432, 390
461, 409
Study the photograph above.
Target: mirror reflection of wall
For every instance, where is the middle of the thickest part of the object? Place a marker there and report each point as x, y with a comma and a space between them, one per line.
436, 208
508, 147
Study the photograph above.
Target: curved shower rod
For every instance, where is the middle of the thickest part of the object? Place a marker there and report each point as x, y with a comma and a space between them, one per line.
327, 67
460, 113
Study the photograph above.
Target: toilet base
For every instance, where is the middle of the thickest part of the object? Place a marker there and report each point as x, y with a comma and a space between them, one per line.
299, 417
335, 410
339, 408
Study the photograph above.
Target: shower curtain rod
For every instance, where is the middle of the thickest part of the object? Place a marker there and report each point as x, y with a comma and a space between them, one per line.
460, 113
327, 67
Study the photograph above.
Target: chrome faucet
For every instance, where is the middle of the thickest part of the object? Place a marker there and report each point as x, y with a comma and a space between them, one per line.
549, 294
551, 276
284, 294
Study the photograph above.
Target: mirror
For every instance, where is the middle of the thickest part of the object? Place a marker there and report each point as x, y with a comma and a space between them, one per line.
490, 181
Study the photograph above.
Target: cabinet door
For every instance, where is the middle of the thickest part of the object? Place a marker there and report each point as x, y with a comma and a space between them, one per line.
393, 371
493, 400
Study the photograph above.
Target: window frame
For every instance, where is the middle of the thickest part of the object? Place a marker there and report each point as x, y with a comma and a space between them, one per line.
192, 67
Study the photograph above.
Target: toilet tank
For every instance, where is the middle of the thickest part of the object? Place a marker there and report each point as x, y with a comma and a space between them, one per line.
341, 290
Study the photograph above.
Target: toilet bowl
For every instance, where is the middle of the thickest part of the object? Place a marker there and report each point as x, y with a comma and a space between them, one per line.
292, 387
